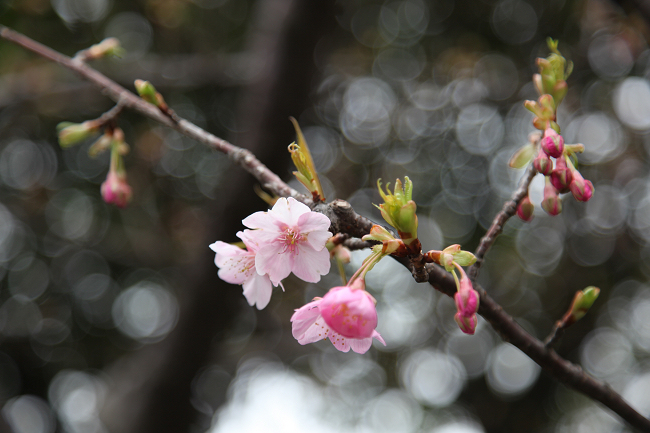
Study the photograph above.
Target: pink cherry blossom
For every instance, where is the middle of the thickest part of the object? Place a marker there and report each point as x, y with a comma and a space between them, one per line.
237, 266
467, 302
350, 310
308, 326
291, 238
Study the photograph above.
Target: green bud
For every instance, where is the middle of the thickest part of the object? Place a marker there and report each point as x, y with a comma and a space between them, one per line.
378, 233
583, 301
102, 144
303, 161
399, 209
147, 91
107, 47
73, 133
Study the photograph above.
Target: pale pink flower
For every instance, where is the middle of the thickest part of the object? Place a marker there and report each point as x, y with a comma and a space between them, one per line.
291, 238
237, 266
308, 326
350, 310
467, 302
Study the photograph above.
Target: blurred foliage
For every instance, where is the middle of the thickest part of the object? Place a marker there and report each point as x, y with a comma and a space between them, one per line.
429, 89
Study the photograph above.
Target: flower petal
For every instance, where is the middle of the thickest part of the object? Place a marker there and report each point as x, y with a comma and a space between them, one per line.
315, 332
270, 260
257, 290
235, 264
339, 341
291, 210
261, 220
313, 221
317, 239
360, 345
309, 264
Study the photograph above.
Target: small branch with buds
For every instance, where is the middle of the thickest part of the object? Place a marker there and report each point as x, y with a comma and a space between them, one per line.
582, 302
345, 220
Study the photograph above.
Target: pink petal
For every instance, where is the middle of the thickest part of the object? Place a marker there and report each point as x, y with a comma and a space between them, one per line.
307, 312
261, 220
313, 221
361, 345
309, 264
340, 342
315, 332
235, 264
377, 336
251, 242
318, 239
291, 210
270, 260
257, 290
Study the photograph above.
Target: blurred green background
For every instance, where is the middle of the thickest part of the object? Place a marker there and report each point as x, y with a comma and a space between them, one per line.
115, 320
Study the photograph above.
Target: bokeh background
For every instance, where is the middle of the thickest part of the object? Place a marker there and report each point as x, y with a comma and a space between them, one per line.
115, 321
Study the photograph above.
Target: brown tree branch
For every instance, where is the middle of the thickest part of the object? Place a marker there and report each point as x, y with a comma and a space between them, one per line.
508, 210
345, 220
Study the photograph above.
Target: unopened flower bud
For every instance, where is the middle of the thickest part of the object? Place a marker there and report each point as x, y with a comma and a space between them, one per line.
467, 303
341, 253
525, 209
398, 209
102, 144
107, 47
115, 190
581, 189
582, 302
552, 203
561, 176
543, 163
73, 133
553, 143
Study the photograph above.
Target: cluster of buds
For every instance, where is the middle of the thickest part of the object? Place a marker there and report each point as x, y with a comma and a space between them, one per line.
115, 189
547, 150
398, 210
452, 259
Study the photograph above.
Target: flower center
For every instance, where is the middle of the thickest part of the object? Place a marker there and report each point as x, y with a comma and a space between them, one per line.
291, 238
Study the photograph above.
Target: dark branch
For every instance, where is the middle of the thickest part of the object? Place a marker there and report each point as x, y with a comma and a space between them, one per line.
508, 210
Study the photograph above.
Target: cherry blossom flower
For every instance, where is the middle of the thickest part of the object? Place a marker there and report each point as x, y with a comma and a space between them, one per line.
237, 266
308, 326
350, 310
291, 238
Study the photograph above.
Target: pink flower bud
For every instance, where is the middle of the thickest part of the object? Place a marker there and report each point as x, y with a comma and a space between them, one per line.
350, 310
553, 143
115, 190
561, 176
552, 203
543, 163
581, 189
525, 209
467, 301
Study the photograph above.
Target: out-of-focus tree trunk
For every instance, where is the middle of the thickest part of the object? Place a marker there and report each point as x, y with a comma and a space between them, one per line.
151, 388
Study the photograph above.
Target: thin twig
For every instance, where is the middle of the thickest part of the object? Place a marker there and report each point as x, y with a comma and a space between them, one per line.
111, 115
118, 93
508, 210
345, 220
556, 333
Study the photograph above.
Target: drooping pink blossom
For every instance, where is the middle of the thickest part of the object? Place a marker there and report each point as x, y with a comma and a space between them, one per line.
552, 203
308, 326
350, 310
543, 163
237, 266
115, 190
467, 302
291, 238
